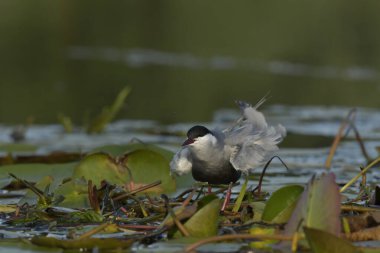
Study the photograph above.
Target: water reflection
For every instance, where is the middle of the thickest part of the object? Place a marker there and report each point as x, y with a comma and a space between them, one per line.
140, 57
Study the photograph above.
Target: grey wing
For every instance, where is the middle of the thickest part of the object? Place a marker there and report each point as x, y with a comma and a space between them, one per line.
181, 162
252, 116
256, 148
252, 121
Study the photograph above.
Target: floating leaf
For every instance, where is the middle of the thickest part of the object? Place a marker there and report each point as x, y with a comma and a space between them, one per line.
281, 204
147, 166
180, 213
88, 216
31, 198
183, 181
262, 231
88, 243
258, 209
36, 171
100, 166
24, 246
17, 147
118, 150
5, 181
75, 194
318, 207
321, 242
7, 208
52, 158
204, 222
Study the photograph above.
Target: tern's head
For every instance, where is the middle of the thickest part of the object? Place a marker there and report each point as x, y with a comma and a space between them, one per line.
197, 134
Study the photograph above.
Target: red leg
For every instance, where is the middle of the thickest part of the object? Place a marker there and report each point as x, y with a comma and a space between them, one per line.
227, 198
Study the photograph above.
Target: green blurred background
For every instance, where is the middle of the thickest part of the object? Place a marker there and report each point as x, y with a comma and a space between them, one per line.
184, 59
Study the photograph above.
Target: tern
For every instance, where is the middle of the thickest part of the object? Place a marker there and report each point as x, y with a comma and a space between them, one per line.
221, 156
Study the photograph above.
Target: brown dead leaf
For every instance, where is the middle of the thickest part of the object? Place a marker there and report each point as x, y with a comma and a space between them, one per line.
368, 234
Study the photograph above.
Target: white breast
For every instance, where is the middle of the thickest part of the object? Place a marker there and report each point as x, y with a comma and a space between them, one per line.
181, 162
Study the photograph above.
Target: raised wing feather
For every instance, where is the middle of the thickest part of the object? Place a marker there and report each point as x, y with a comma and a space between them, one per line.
252, 140
257, 148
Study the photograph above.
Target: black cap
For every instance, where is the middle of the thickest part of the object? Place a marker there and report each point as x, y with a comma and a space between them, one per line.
197, 131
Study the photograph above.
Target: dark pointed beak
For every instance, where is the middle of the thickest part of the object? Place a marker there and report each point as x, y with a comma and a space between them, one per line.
187, 142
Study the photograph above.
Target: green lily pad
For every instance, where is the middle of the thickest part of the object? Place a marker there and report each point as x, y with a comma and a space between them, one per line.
34, 172
321, 242
117, 150
87, 243
318, 207
5, 181
258, 209
180, 213
24, 246
147, 166
281, 204
128, 150
17, 147
88, 216
100, 166
204, 222
262, 244
75, 194
31, 198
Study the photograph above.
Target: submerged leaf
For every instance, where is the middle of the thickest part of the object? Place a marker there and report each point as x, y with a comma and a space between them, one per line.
281, 204
321, 242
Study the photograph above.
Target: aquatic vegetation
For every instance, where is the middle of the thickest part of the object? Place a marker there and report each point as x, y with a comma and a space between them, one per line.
108, 113
117, 196
99, 122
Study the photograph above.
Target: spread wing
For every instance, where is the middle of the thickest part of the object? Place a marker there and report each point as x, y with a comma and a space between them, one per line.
253, 142
257, 148
181, 162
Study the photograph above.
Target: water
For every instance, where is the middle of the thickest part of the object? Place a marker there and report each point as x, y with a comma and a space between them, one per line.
144, 57
310, 134
183, 68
